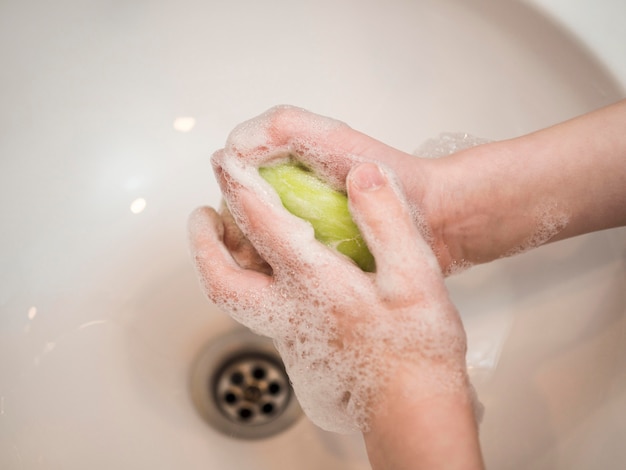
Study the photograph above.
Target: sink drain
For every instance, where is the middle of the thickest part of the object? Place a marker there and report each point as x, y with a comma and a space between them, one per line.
240, 387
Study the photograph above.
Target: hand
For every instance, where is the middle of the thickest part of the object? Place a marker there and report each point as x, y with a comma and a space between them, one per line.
342, 333
446, 204
330, 148
477, 205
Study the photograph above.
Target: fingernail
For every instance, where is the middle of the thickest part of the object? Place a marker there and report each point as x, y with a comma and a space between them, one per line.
368, 177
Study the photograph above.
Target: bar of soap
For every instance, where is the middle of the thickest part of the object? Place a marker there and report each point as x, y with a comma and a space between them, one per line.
326, 209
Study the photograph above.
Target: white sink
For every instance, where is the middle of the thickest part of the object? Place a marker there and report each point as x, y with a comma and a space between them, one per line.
109, 113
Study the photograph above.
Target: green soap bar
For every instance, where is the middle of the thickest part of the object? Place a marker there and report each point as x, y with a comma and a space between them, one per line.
306, 196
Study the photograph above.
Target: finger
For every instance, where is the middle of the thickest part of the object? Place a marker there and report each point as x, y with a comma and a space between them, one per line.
403, 258
330, 148
285, 241
325, 145
240, 292
239, 246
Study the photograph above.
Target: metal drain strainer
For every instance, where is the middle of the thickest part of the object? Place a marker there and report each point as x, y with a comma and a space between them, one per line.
240, 387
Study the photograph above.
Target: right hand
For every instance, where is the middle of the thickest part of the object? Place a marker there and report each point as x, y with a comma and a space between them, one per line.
345, 335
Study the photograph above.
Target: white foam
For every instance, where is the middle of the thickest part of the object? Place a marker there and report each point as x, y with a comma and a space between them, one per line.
279, 132
448, 143
550, 219
457, 267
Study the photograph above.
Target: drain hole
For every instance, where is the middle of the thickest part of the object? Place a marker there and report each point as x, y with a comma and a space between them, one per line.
230, 398
240, 387
246, 414
252, 388
236, 378
258, 373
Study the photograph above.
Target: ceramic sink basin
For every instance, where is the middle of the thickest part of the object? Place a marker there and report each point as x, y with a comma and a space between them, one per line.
109, 113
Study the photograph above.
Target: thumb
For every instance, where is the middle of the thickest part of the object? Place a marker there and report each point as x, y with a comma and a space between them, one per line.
403, 258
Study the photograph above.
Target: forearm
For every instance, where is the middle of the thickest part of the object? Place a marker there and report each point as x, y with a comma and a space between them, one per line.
587, 158
510, 196
412, 433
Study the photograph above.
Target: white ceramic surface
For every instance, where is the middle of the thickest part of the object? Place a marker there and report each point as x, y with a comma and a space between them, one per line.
109, 113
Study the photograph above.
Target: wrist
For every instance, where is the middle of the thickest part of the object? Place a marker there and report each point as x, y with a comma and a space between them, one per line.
415, 430
485, 205
503, 198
